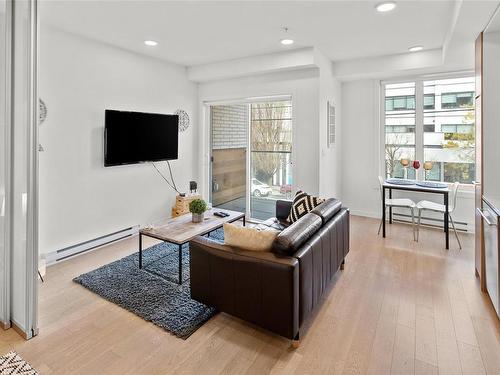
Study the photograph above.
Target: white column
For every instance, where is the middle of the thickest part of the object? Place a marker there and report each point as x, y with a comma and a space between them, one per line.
5, 14
24, 174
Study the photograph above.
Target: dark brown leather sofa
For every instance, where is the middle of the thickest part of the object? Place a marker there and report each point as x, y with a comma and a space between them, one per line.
275, 290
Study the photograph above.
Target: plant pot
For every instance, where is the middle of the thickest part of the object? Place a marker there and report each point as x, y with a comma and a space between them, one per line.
198, 218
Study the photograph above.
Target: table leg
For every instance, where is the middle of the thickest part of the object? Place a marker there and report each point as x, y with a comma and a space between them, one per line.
140, 251
244, 221
383, 212
390, 208
180, 264
446, 222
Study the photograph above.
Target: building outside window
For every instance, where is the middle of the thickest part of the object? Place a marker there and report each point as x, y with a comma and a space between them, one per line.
436, 125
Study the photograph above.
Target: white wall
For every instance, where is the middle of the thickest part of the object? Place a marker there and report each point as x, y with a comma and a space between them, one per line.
303, 87
362, 155
330, 168
491, 128
360, 151
79, 79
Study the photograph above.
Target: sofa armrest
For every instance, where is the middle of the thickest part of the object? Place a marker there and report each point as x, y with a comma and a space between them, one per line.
283, 208
260, 287
320, 258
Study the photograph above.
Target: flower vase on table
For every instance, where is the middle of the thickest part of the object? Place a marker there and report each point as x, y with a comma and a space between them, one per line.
405, 163
427, 167
416, 166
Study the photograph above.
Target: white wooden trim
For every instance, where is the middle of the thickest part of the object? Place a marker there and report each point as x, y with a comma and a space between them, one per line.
5, 273
32, 176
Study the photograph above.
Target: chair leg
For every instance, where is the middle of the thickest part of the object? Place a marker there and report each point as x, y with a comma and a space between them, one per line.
455, 230
413, 223
380, 226
418, 223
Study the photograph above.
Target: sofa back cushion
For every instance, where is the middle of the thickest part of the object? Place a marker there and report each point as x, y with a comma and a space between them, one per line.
327, 209
291, 238
302, 204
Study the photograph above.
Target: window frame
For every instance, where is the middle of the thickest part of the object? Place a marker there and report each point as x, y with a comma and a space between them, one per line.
419, 116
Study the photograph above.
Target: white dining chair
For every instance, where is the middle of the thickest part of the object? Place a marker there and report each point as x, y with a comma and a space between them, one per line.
397, 202
441, 208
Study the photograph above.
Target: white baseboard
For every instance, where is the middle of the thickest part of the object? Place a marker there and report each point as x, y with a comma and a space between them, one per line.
90, 245
374, 215
466, 227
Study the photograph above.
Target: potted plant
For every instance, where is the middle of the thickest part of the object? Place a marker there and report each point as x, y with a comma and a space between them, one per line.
197, 207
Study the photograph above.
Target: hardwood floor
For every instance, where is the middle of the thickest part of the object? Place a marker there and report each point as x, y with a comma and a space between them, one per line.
399, 307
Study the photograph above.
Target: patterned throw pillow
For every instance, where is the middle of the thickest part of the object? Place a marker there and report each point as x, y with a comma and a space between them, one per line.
302, 204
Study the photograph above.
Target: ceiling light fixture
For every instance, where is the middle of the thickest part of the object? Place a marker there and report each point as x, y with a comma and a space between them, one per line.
150, 43
386, 6
286, 42
415, 48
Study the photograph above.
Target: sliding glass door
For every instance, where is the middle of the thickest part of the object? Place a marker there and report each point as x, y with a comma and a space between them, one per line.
251, 156
229, 129
270, 156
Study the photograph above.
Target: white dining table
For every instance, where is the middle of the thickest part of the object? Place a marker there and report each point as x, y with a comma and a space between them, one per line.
387, 186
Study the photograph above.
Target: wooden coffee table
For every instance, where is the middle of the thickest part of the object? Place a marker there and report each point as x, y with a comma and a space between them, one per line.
180, 230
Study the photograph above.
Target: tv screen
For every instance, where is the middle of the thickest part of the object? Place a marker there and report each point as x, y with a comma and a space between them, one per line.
136, 137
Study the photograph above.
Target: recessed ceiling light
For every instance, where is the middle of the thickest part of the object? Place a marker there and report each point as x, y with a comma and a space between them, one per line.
386, 6
415, 48
151, 43
286, 42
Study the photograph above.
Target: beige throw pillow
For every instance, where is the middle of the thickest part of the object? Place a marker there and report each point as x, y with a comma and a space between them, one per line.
248, 238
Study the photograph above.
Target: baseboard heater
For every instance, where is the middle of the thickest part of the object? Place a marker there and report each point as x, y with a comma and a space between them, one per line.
86, 246
426, 221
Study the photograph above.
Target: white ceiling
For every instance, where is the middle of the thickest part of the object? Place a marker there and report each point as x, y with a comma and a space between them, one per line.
200, 32
495, 23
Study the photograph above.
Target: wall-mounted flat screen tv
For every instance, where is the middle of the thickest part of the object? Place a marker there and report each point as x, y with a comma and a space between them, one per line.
137, 137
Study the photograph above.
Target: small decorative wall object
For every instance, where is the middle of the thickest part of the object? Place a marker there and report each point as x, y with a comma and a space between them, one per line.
330, 112
42, 111
193, 186
183, 119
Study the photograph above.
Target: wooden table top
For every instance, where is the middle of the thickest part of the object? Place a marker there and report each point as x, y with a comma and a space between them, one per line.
181, 229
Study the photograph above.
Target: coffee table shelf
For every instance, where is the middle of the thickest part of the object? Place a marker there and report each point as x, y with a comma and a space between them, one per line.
180, 230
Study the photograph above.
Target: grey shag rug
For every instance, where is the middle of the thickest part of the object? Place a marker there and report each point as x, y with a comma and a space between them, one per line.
143, 292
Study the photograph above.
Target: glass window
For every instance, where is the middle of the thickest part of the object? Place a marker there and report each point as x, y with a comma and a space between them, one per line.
429, 101
452, 144
447, 128
457, 100
399, 127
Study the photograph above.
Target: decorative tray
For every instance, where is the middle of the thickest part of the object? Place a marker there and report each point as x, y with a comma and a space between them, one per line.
432, 185
400, 181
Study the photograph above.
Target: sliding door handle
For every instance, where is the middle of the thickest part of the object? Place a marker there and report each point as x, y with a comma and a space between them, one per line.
485, 217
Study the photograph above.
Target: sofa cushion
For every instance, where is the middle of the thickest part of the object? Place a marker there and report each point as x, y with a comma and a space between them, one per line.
291, 238
302, 204
246, 238
274, 223
327, 209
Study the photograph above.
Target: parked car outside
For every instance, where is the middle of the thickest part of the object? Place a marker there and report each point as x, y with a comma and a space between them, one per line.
284, 189
260, 189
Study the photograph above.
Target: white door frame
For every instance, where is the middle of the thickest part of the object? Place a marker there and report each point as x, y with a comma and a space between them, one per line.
5, 271
23, 169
